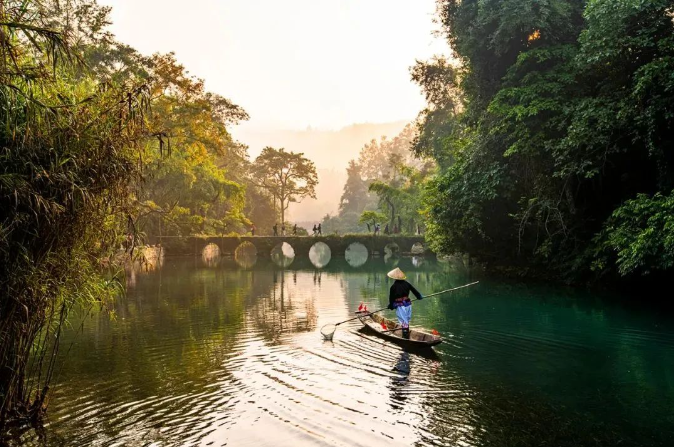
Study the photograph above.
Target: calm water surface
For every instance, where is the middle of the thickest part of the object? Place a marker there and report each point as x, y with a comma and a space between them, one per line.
213, 353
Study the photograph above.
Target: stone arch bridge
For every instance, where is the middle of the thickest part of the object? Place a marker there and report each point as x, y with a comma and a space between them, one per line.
177, 246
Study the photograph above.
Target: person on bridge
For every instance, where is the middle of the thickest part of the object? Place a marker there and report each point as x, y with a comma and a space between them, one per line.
399, 299
320, 230
275, 227
315, 229
252, 230
295, 230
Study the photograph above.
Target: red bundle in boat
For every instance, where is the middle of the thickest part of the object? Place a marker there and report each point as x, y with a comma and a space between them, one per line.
360, 308
435, 332
383, 325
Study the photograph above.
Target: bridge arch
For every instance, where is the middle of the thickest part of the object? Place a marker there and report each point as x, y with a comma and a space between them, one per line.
418, 249
283, 254
356, 254
320, 254
338, 245
391, 249
245, 254
210, 254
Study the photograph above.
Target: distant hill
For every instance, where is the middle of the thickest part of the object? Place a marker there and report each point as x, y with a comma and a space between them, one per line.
331, 150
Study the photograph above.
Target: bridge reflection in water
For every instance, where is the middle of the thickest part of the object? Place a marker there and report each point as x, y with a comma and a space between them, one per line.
320, 255
356, 249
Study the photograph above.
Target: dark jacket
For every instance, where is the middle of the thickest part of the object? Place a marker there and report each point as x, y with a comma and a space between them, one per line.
401, 289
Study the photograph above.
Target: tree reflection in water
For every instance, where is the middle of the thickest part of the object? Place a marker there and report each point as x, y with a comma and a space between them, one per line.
282, 310
245, 255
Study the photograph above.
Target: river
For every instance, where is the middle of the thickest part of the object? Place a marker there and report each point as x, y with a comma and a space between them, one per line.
211, 352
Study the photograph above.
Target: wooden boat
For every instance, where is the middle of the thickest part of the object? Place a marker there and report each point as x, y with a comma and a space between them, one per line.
393, 332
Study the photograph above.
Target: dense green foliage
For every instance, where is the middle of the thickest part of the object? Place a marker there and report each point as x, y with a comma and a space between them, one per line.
552, 129
194, 190
387, 178
641, 234
70, 148
197, 179
97, 141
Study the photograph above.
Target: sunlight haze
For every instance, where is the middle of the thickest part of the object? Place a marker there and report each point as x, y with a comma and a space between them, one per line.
293, 64
306, 71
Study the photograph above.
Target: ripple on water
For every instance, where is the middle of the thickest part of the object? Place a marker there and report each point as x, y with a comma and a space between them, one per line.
214, 356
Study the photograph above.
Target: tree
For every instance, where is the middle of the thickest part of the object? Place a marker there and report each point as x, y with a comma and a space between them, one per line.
374, 158
371, 217
401, 197
560, 137
85, 160
355, 193
287, 176
379, 167
260, 209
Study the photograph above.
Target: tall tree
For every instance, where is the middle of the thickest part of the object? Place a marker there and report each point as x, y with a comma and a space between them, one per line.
374, 158
355, 192
287, 176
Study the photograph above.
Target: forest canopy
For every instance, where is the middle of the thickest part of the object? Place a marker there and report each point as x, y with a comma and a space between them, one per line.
552, 123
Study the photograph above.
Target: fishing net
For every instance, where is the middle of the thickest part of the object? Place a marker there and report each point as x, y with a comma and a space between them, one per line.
328, 331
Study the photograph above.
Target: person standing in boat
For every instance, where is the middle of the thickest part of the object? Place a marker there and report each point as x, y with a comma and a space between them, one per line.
399, 299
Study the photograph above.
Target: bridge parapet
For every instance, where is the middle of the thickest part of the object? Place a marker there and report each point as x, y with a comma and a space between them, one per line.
194, 245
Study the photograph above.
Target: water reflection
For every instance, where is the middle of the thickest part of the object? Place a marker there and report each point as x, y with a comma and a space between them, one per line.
399, 380
418, 261
391, 260
232, 356
417, 249
283, 310
245, 255
356, 254
147, 259
391, 254
283, 255
210, 255
320, 254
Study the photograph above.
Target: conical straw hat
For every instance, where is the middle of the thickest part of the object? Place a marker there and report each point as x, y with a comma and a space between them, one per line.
396, 273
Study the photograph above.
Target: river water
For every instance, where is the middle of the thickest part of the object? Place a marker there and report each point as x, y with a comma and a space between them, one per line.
211, 352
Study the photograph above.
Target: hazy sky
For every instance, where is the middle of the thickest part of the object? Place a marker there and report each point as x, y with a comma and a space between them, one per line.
293, 63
